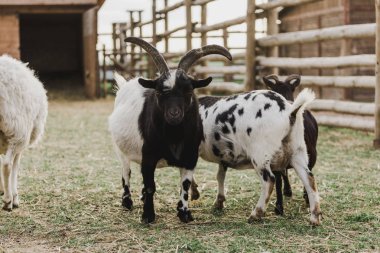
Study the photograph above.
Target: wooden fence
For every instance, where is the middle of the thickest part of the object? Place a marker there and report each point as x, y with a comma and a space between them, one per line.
258, 53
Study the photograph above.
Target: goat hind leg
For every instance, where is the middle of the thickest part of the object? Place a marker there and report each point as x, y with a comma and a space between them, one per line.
14, 179
287, 188
279, 209
267, 185
221, 197
7, 167
299, 162
194, 190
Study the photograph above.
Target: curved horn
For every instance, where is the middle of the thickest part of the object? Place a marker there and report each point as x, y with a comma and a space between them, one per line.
158, 59
193, 55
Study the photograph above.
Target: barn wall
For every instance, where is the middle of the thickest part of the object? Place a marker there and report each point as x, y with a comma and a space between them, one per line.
9, 35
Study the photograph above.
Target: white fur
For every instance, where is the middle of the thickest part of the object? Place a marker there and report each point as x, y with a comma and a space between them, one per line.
264, 146
23, 112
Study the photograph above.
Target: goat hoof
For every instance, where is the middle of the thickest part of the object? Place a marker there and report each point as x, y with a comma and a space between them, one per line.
127, 202
219, 202
185, 216
279, 210
306, 198
254, 219
7, 206
195, 194
148, 217
288, 192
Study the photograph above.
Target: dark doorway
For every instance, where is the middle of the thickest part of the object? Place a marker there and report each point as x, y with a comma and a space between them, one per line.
52, 44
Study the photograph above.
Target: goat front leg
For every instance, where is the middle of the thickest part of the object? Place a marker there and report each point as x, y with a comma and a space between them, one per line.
126, 176
267, 184
7, 167
147, 170
299, 163
184, 213
221, 197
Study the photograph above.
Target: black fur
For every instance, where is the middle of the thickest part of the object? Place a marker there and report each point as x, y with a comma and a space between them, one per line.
208, 101
259, 114
249, 130
273, 96
174, 139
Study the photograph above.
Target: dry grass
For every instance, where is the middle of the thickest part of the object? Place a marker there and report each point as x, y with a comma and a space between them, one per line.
70, 190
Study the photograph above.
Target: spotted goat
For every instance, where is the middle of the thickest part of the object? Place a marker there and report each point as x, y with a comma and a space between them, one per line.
156, 123
286, 89
259, 130
23, 112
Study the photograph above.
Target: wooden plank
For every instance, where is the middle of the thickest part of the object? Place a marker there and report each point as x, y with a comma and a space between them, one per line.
319, 62
376, 141
283, 3
220, 69
346, 121
347, 107
189, 25
89, 52
222, 88
10, 35
202, 2
171, 7
337, 81
47, 2
330, 33
228, 23
250, 52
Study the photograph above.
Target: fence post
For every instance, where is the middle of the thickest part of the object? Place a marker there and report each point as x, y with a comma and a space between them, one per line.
154, 37
376, 142
227, 77
250, 56
166, 23
272, 29
189, 25
104, 67
132, 34
141, 34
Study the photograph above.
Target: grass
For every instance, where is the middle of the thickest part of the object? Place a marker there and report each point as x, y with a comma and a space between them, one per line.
70, 189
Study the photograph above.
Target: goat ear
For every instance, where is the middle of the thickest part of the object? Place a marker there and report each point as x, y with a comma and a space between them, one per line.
294, 81
147, 83
201, 82
270, 81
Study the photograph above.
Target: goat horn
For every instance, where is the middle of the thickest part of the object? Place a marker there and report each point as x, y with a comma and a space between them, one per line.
273, 76
291, 77
158, 59
193, 55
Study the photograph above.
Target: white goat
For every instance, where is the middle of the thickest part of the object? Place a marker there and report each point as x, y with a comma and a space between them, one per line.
262, 131
23, 112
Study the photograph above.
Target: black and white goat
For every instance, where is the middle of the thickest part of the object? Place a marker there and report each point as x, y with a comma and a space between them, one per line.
287, 89
23, 112
157, 123
259, 130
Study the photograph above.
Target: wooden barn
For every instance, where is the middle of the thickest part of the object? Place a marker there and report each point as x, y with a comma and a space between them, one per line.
57, 37
330, 13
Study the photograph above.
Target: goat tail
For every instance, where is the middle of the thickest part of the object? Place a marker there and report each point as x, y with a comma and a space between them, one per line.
120, 81
303, 99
